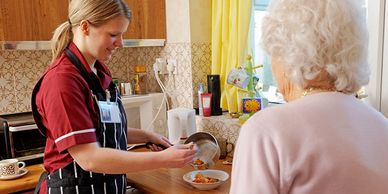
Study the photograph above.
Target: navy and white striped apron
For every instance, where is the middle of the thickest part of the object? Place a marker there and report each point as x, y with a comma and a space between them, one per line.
72, 178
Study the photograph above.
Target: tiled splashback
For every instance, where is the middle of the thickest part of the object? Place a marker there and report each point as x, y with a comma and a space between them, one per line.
201, 67
19, 71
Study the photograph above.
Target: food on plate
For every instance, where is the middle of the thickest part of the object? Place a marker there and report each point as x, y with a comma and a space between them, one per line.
200, 178
199, 164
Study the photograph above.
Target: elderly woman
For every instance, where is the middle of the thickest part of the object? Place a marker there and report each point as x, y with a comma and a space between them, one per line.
324, 140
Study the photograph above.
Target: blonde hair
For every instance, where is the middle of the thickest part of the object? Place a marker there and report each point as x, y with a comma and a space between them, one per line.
97, 12
322, 35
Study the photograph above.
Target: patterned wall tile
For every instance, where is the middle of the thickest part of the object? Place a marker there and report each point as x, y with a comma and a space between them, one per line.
7, 81
201, 66
130, 53
5, 61
36, 61
25, 80
23, 100
176, 85
7, 103
144, 56
19, 71
181, 84
118, 65
10, 56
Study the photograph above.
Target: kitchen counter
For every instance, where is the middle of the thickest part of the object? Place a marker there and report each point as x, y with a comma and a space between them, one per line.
170, 180
149, 181
26, 182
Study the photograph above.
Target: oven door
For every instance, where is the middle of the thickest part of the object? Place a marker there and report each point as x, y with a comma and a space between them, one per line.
26, 142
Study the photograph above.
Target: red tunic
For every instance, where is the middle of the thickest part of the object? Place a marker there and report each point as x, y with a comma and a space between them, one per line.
66, 107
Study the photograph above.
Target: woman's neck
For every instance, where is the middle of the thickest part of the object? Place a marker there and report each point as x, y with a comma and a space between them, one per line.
91, 61
88, 57
291, 92
312, 90
295, 92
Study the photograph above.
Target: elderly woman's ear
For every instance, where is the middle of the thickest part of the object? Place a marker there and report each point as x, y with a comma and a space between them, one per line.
284, 81
278, 73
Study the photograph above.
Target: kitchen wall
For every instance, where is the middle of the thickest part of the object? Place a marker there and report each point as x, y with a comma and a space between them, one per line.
188, 41
19, 70
189, 23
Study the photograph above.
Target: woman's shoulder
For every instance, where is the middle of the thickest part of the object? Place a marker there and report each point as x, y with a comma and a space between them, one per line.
273, 113
311, 110
62, 73
281, 117
268, 119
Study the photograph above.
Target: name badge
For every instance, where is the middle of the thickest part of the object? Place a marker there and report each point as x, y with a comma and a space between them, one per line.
109, 112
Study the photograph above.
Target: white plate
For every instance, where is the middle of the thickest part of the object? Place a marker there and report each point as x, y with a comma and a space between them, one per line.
222, 176
21, 173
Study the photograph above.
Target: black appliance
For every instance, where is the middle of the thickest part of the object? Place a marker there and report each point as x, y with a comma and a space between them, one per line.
213, 86
20, 138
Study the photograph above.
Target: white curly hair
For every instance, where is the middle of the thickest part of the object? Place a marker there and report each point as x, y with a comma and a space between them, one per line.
314, 35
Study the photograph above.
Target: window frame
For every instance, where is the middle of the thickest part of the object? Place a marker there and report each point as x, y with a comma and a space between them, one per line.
378, 48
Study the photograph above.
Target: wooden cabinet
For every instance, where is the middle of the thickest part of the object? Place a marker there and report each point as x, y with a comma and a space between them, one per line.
148, 19
30, 20
36, 20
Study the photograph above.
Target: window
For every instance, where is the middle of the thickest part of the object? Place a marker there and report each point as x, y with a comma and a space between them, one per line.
376, 90
377, 17
265, 73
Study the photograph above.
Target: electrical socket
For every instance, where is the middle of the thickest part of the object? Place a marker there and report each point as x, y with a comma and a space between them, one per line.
161, 65
172, 66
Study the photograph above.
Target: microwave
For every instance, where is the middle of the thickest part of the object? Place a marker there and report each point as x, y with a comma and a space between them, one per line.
20, 138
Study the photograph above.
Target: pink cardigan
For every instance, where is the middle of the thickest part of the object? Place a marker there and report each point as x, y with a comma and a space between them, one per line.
325, 143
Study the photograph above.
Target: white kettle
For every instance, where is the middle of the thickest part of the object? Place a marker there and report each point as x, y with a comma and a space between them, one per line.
181, 124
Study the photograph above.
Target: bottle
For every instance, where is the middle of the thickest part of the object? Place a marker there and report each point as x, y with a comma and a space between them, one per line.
201, 90
207, 104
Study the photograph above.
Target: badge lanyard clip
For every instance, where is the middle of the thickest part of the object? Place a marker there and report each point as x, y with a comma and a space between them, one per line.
107, 95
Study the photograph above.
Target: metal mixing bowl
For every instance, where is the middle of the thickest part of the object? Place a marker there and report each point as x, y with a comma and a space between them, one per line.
208, 149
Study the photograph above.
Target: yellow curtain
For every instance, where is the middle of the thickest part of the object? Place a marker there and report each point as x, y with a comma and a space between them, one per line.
230, 36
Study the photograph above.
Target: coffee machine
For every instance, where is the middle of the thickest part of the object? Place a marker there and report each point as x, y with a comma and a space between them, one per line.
213, 84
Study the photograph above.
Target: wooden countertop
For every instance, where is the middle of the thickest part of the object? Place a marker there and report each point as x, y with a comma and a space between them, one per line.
170, 181
26, 182
157, 181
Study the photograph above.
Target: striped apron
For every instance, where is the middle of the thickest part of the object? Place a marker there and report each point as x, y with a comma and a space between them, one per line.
72, 179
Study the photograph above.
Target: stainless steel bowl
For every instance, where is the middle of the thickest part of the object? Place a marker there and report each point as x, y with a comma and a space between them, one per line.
208, 149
